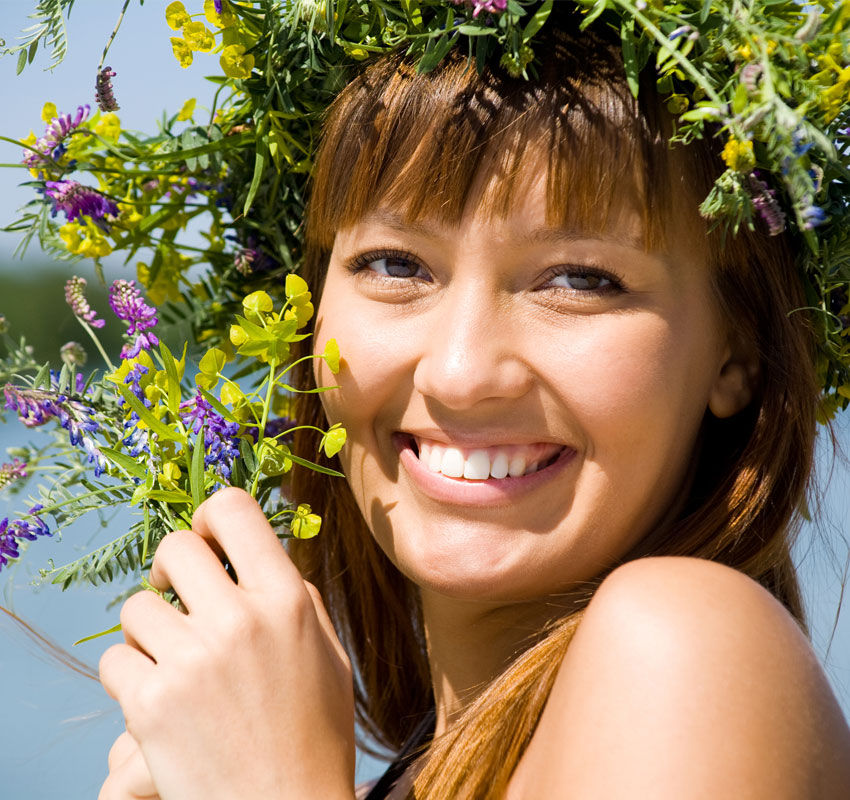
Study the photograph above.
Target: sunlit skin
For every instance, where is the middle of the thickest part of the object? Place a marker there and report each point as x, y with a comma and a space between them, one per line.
511, 331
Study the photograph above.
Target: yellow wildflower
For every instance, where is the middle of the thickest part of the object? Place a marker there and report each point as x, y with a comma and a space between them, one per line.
170, 475
199, 37
738, 155
223, 20
85, 238
176, 16
31, 140
48, 112
187, 110
235, 63
836, 97
108, 126
182, 51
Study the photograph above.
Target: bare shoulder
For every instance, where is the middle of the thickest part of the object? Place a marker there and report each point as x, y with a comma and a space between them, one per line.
686, 679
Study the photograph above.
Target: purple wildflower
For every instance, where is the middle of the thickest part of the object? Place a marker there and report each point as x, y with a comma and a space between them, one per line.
798, 143
51, 146
103, 95
221, 438
127, 303
75, 200
813, 216
749, 77
75, 297
477, 6
9, 473
682, 30
11, 533
36, 407
217, 4
273, 430
764, 199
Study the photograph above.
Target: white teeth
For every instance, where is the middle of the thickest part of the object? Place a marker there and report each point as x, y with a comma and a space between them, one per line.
517, 466
499, 468
477, 466
452, 463
481, 464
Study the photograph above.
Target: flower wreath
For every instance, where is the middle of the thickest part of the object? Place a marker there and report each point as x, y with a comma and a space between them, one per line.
772, 77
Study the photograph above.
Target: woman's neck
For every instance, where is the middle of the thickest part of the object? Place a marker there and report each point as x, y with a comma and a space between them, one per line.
470, 643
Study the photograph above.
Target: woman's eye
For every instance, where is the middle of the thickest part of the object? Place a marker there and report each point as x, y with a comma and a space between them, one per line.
390, 265
584, 280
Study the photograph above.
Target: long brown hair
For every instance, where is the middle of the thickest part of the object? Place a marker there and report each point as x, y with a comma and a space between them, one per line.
416, 143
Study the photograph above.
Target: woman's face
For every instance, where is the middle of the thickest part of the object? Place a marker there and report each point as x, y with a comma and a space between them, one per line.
522, 402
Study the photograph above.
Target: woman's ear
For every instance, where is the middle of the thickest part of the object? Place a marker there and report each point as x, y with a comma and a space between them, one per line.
737, 380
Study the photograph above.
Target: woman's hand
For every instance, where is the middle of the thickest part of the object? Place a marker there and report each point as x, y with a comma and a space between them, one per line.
249, 694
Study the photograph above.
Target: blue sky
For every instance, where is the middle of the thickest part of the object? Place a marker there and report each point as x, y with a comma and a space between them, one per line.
57, 729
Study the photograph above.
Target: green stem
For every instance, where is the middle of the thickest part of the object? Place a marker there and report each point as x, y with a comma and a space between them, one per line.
303, 358
97, 343
696, 76
113, 35
266, 405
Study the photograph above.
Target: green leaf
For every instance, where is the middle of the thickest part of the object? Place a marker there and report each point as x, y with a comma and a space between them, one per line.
42, 378
22, 62
536, 22
594, 12
129, 464
169, 496
740, 99
149, 419
170, 364
113, 629
231, 142
196, 473
259, 171
627, 40
223, 410
316, 467
213, 361
706, 10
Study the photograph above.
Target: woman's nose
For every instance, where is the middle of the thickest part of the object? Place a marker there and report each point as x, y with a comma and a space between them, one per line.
471, 351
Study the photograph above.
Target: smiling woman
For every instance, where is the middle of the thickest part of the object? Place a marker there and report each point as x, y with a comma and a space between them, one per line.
580, 430
552, 369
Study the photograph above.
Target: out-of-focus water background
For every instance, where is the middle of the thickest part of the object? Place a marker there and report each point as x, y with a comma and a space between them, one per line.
56, 727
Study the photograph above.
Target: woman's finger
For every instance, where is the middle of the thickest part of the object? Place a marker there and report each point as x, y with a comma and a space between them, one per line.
122, 748
184, 562
325, 622
151, 625
122, 669
233, 518
130, 780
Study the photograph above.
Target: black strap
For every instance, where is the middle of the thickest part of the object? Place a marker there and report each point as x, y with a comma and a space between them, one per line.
423, 732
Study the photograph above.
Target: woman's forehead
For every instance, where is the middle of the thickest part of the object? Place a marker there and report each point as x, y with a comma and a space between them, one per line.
520, 210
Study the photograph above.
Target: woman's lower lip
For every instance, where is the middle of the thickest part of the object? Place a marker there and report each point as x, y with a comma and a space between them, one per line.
493, 491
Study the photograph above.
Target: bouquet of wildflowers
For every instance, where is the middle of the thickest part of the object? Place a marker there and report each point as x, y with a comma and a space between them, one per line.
142, 434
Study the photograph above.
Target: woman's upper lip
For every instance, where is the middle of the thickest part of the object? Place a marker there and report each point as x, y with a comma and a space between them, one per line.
473, 439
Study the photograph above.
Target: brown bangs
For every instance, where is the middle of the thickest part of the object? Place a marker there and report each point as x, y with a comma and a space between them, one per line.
421, 144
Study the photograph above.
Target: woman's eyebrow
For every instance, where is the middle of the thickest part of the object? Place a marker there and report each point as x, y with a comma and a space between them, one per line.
542, 235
